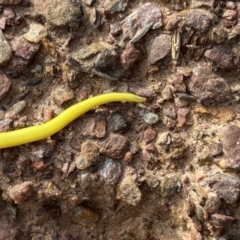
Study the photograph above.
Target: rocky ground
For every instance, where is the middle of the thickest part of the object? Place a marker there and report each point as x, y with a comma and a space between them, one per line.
165, 169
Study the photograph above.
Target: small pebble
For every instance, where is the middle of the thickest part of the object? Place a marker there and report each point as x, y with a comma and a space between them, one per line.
20, 192
5, 125
110, 171
36, 33
129, 192
117, 122
24, 49
19, 106
150, 118
170, 186
89, 154
115, 29
230, 5
6, 50
115, 146
5, 82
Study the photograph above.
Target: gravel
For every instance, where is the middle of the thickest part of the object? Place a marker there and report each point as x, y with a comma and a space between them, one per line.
167, 168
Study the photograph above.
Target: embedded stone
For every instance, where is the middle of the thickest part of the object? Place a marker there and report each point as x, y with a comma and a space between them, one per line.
230, 138
5, 84
35, 33
88, 155
21, 192
129, 192
225, 186
149, 13
207, 87
115, 146
110, 171
221, 55
59, 12
160, 48
5, 49
23, 48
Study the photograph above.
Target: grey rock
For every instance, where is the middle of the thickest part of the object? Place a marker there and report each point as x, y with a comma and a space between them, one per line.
141, 32
42, 152
110, 171
198, 21
144, 92
215, 148
207, 87
5, 84
150, 118
170, 186
221, 55
172, 22
108, 63
150, 13
230, 138
117, 122
225, 186
90, 51
5, 49
218, 35
213, 204
130, 56
160, 48
137, 24
19, 106
169, 110
5, 125
221, 221
129, 192
236, 51
115, 29
59, 12
129, 28
17, 66
23, 48
113, 6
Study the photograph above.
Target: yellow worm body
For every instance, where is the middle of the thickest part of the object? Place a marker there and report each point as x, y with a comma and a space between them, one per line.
35, 133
